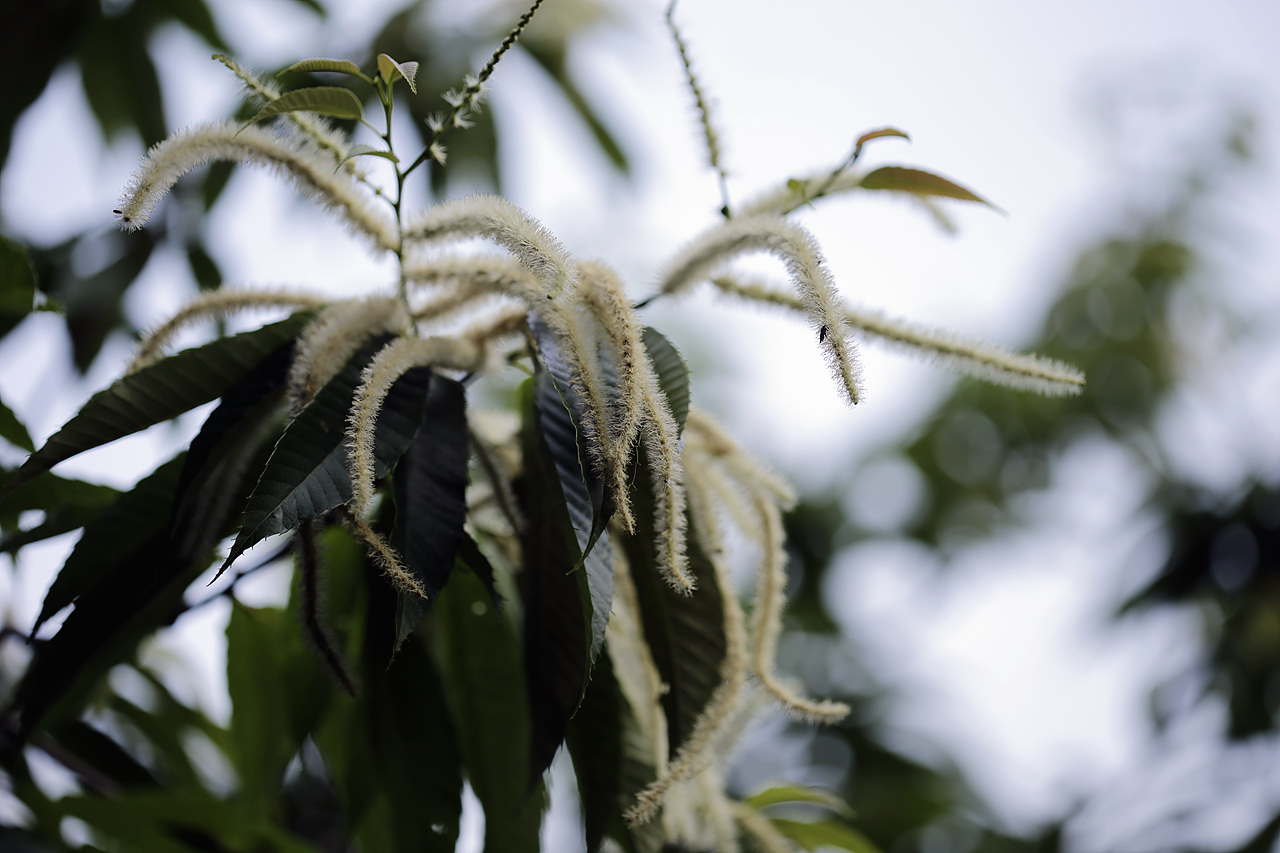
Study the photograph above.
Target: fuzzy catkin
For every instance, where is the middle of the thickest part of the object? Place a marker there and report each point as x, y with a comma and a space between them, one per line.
313, 170
806, 267
495, 218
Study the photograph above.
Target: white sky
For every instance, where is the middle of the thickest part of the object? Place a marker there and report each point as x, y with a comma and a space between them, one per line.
1001, 96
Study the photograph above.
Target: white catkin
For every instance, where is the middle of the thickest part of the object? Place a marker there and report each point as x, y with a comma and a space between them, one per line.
806, 267
602, 293
497, 219
981, 360
767, 624
709, 729
313, 170
314, 127
391, 362
216, 304
329, 341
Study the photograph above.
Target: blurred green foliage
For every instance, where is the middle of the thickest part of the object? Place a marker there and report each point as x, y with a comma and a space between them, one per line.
982, 451
979, 452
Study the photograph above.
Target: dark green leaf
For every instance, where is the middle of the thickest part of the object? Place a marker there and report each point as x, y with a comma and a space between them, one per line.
484, 683
12, 430
17, 286
430, 488
92, 749
612, 760
307, 474
227, 450
137, 593
469, 553
673, 373
178, 822
314, 5
412, 745
119, 77
324, 100
899, 179
685, 633
558, 604
203, 267
157, 393
560, 413
195, 16
135, 515
66, 504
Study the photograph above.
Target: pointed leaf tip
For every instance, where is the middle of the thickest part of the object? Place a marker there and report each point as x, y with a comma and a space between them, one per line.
918, 182
877, 134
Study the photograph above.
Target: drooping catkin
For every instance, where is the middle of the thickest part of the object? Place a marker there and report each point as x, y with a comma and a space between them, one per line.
806, 267
391, 362
981, 360
313, 171
494, 218
216, 304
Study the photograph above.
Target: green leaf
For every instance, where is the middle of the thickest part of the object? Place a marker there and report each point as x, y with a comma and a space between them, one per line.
339, 66
307, 474
232, 444
673, 373
552, 56
12, 430
430, 489
685, 633
781, 794
158, 393
471, 555
137, 593
324, 100
612, 760
825, 834
484, 684
195, 16
561, 412
91, 748
899, 179
167, 725
119, 76
179, 821
203, 267
135, 571
17, 285
135, 515
558, 611
369, 150
66, 504
390, 70
277, 691
412, 743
